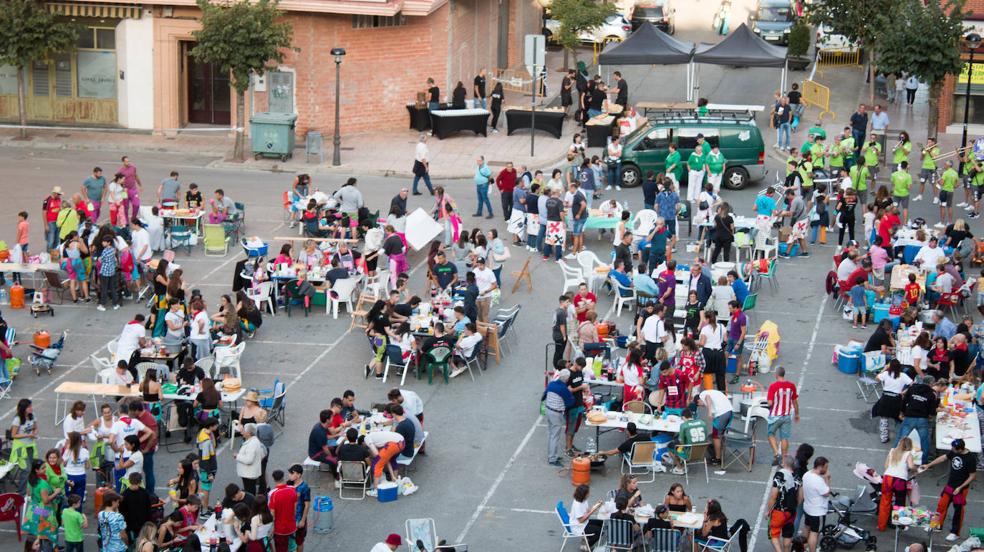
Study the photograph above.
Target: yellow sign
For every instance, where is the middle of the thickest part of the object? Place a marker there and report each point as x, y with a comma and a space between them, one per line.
978, 77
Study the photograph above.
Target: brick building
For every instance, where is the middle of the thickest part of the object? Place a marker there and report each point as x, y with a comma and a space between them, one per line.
132, 67
954, 88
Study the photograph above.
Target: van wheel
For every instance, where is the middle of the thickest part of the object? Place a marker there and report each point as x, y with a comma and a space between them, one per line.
735, 178
631, 176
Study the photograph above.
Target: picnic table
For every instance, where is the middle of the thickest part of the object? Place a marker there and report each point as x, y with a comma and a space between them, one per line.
958, 421
900, 277
643, 422
34, 269
600, 221
195, 218
110, 390
688, 522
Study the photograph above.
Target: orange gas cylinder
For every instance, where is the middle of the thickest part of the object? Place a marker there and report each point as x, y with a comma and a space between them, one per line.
42, 339
580, 471
16, 296
100, 495
602, 329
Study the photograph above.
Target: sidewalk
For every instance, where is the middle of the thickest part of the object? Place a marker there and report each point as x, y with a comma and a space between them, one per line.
383, 154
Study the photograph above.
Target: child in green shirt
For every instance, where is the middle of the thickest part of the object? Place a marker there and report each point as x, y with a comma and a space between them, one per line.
73, 522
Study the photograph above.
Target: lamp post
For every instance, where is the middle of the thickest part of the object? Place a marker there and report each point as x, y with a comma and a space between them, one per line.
336, 141
971, 42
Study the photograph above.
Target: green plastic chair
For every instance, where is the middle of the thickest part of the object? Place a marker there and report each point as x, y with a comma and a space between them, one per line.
750, 301
440, 358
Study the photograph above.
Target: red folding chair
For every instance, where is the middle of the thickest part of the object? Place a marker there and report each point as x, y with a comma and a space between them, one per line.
11, 505
949, 301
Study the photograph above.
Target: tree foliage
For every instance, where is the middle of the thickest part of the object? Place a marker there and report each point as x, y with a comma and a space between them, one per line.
576, 16
28, 32
241, 37
799, 39
923, 40
852, 18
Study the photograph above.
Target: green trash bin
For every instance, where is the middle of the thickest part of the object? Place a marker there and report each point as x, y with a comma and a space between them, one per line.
272, 135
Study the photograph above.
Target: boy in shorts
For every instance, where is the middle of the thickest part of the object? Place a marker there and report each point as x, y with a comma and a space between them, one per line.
295, 478
859, 306
912, 291
206, 458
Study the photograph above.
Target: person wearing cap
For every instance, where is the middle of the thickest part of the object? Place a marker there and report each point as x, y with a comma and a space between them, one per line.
557, 398
51, 206
963, 472
391, 544
919, 404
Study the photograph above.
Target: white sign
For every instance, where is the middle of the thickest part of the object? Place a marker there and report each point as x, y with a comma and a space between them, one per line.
97, 74
421, 229
535, 52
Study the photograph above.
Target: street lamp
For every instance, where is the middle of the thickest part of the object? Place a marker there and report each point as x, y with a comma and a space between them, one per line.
971, 41
336, 155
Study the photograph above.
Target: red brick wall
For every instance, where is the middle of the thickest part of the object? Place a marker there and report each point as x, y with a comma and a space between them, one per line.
946, 98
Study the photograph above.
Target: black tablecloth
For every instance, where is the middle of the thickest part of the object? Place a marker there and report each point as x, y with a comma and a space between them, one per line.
445, 122
598, 134
420, 118
547, 121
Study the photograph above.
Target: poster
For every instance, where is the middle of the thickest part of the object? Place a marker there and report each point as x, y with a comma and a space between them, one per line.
421, 229
97, 75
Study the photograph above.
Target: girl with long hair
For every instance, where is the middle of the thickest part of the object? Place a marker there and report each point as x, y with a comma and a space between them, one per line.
75, 459
24, 435
889, 406
40, 518
899, 468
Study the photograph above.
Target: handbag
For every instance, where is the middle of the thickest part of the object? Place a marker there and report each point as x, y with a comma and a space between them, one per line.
504, 256
703, 206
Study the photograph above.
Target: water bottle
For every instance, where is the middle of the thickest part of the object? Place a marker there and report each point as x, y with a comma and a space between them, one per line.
591, 447
4, 296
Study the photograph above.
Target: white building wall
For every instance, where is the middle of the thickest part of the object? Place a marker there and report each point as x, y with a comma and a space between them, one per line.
135, 58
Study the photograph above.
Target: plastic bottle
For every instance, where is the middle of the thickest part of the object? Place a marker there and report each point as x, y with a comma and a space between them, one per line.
591, 447
4, 296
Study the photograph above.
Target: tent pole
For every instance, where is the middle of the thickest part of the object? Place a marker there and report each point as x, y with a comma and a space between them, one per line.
687, 80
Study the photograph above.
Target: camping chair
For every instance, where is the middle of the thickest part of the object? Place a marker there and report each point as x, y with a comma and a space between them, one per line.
53, 282
352, 475
620, 535
474, 360
394, 358
641, 457
664, 540
949, 302
275, 402
692, 455
623, 295
868, 386
262, 295
421, 530
572, 276
565, 522
714, 544
215, 240
341, 292
740, 443
437, 358
5, 384
361, 311
292, 292
180, 235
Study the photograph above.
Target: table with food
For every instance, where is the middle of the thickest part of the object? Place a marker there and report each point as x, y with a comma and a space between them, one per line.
900, 277
915, 517
440, 310
194, 218
958, 420
603, 421
547, 119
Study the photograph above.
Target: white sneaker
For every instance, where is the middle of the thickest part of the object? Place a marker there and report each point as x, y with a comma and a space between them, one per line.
456, 372
608, 188
969, 208
951, 537
371, 492
618, 188
936, 201
116, 307
940, 225
570, 256
338, 483
962, 204
100, 308
917, 198
677, 471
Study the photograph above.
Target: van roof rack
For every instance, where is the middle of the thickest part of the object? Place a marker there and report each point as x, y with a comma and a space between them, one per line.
689, 116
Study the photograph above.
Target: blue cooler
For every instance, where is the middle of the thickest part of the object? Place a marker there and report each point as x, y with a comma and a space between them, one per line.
896, 320
662, 445
881, 312
793, 251
849, 362
387, 492
732, 366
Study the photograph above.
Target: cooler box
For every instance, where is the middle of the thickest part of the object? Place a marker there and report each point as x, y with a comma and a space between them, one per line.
793, 251
387, 492
662, 445
732, 366
881, 312
849, 362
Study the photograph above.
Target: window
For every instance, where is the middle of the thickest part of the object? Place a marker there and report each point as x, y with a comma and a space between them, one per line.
63, 76
39, 78
377, 21
281, 91
8, 80
658, 139
97, 74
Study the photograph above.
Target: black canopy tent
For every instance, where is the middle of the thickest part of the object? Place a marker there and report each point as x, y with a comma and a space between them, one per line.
744, 48
650, 46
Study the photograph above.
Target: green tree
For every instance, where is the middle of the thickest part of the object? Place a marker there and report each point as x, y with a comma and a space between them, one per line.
799, 39
28, 32
241, 37
574, 17
856, 20
923, 40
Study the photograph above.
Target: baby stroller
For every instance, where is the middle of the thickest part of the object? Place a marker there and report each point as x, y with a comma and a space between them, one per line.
45, 358
844, 534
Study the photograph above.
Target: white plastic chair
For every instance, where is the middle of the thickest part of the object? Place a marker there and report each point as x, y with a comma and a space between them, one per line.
112, 347
263, 293
589, 262
743, 242
227, 359
341, 293
766, 247
645, 221
377, 284
99, 364
623, 296
572, 276
206, 364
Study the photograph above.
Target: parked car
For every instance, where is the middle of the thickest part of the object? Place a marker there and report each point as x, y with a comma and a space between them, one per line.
659, 14
833, 42
735, 133
615, 29
772, 20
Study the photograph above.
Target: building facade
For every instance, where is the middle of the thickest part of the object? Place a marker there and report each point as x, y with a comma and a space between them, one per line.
132, 67
953, 97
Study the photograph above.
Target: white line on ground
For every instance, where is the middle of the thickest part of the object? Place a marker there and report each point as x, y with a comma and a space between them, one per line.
497, 482
518, 510
762, 507
827, 409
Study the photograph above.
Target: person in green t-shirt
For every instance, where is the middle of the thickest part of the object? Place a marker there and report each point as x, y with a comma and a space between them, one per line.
901, 182
847, 146
805, 170
674, 166
817, 130
806, 147
948, 184
977, 188
792, 160
902, 150
716, 163
871, 151
966, 174
928, 170
74, 522
835, 155
692, 432
818, 153
859, 182
697, 166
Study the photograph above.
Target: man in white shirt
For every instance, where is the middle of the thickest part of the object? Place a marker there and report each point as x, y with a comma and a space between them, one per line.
847, 266
465, 348
130, 337
944, 281
421, 165
654, 333
815, 491
485, 280
719, 411
929, 255
140, 242
409, 400
126, 426
879, 120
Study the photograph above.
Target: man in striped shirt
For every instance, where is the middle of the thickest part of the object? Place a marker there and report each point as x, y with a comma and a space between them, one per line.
783, 407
